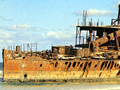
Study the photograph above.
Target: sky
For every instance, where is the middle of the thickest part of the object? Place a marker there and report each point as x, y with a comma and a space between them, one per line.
49, 22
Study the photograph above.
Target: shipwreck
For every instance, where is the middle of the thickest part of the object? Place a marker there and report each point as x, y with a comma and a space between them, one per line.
95, 57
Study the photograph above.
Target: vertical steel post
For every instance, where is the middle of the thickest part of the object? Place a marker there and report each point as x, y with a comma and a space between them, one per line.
119, 14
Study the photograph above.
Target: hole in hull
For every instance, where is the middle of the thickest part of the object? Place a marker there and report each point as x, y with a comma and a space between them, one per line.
56, 64
40, 65
74, 64
25, 75
118, 73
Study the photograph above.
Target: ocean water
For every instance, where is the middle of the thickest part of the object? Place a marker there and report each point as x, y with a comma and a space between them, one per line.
58, 86
1, 66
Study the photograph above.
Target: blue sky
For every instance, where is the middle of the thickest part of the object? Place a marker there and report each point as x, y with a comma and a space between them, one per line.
47, 22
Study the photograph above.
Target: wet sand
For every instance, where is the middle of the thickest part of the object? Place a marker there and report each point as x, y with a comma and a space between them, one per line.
60, 86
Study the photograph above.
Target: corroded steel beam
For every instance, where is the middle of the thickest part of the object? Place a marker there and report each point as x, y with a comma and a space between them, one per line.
95, 44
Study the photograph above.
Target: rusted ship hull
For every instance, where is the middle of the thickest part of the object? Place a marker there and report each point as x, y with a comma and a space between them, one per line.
37, 69
95, 57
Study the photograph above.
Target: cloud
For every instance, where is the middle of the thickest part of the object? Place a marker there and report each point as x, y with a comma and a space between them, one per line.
95, 12
7, 35
43, 39
10, 41
73, 25
7, 19
59, 37
21, 27
119, 2
7, 38
53, 34
1, 40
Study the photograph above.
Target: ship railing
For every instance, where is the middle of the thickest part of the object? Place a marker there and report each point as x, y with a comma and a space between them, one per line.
29, 47
91, 24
